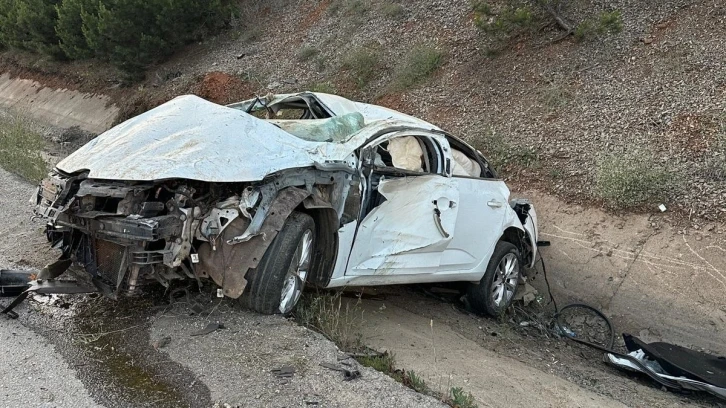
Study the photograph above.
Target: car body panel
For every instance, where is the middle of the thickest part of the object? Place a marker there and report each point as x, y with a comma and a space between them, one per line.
401, 236
472, 243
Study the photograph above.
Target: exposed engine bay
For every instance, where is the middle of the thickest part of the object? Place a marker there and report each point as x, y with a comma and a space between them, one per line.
125, 234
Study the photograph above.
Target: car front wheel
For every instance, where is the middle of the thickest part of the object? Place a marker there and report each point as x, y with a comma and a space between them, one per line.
495, 292
277, 283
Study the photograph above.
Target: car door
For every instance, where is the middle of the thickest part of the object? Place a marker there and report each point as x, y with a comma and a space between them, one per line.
409, 215
483, 202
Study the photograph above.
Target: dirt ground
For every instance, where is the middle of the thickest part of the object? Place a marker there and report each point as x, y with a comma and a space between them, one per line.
142, 354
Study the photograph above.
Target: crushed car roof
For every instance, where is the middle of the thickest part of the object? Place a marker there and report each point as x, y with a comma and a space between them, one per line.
340, 106
191, 138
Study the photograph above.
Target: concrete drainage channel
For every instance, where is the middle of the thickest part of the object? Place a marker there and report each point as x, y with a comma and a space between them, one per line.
57, 107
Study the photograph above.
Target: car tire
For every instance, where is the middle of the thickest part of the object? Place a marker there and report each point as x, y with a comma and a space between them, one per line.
269, 289
498, 287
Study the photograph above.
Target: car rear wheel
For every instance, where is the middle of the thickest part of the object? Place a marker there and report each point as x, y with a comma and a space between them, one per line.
277, 283
497, 288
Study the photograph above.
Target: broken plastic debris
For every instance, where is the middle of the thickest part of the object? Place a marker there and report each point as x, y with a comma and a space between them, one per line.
347, 374
211, 327
283, 372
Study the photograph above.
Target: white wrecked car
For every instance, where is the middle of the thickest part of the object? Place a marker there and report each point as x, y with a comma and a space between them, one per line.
269, 195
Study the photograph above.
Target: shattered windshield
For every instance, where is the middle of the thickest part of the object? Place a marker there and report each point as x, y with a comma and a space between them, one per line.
337, 129
303, 116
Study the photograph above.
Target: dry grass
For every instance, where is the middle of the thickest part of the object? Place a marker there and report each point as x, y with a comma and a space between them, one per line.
21, 148
327, 314
420, 63
633, 179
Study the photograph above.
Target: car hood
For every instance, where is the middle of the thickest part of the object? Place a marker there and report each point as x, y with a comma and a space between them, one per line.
191, 138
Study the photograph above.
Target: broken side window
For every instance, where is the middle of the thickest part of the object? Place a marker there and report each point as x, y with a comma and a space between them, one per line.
468, 162
407, 154
403, 156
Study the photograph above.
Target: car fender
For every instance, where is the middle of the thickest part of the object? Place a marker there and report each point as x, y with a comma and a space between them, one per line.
228, 264
528, 228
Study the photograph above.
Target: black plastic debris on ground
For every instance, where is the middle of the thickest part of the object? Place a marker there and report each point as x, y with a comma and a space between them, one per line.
687, 369
284, 371
348, 375
13, 283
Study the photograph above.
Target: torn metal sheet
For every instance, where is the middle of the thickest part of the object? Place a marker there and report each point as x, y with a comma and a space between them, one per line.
47, 287
676, 365
228, 262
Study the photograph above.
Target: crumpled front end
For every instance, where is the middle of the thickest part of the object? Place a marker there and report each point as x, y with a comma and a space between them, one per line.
126, 233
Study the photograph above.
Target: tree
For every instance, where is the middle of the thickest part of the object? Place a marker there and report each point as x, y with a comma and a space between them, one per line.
69, 27
29, 25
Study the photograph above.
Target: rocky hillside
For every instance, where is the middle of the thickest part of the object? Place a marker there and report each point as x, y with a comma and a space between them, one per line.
628, 118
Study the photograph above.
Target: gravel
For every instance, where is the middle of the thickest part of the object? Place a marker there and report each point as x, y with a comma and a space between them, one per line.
34, 374
31, 369
236, 362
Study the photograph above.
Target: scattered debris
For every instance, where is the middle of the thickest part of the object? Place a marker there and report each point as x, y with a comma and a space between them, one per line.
285, 371
46, 287
527, 294
679, 368
211, 327
161, 343
348, 375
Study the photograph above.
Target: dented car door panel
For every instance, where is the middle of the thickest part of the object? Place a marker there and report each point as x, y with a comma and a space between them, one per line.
482, 210
409, 231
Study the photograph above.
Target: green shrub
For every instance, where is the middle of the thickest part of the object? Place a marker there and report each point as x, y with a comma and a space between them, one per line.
324, 87
607, 22
129, 33
417, 383
393, 11
21, 149
632, 179
502, 154
481, 8
135, 33
361, 63
385, 362
611, 21
417, 65
307, 52
715, 162
511, 21
461, 398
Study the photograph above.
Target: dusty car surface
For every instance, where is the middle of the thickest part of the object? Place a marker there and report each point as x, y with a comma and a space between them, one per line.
269, 195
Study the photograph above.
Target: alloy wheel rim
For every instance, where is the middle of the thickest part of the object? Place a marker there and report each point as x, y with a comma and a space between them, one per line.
505, 281
297, 273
